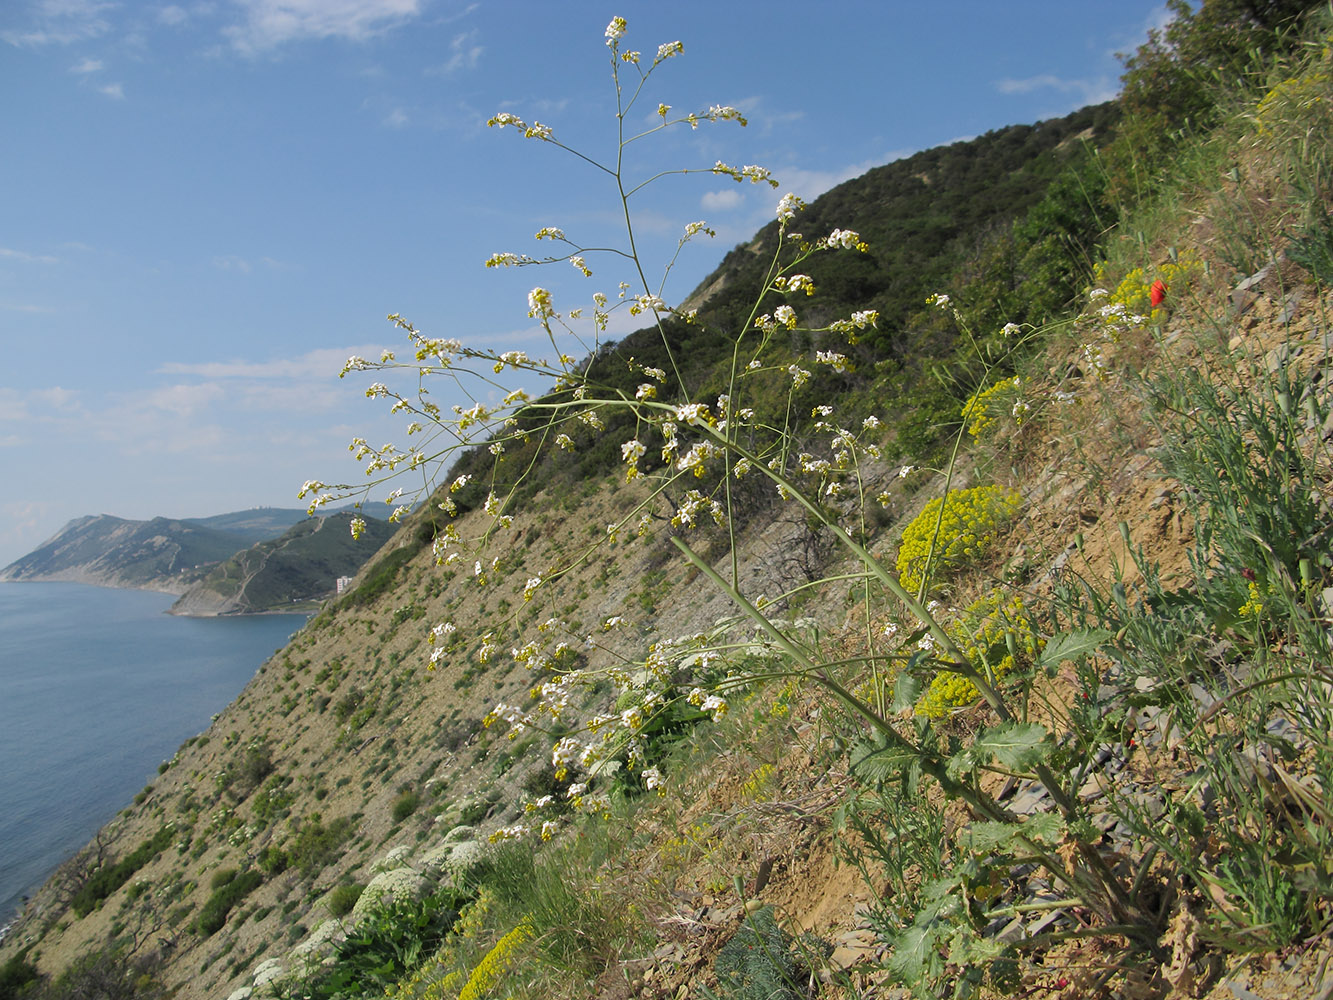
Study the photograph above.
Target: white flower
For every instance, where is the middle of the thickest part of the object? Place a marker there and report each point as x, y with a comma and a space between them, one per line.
539, 303
615, 30
692, 413
715, 705
789, 206
845, 238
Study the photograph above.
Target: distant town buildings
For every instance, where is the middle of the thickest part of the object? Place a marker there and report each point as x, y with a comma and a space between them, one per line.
343, 583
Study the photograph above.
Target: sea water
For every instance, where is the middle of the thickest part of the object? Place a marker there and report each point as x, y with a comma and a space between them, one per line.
97, 688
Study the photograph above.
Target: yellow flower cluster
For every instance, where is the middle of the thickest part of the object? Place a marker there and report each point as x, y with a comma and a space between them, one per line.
1254, 604
1298, 93
1133, 295
970, 523
986, 407
755, 786
437, 979
992, 623
496, 963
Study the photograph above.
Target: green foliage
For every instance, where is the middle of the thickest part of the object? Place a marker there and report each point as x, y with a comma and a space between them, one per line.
405, 805
272, 860
1243, 450
271, 801
226, 895
16, 974
387, 943
343, 898
1313, 250
107, 879
1176, 84
762, 962
316, 843
108, 974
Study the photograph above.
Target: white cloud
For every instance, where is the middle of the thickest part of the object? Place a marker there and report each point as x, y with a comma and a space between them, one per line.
62, 22
464, 54
115, 91
33, 258
270, 23
810, 184
230, 262
87, 66
172, 14
1092, 91
324, 363
183, 400
20, 522
396, 118
721, 201
234, 262
33, 404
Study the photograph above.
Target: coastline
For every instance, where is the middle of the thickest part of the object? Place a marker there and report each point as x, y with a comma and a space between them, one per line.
102, 686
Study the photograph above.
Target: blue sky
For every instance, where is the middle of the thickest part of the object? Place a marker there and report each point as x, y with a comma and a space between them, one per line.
210, 205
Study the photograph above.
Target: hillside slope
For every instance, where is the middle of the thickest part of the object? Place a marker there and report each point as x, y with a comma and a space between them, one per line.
1051, 720
299, 567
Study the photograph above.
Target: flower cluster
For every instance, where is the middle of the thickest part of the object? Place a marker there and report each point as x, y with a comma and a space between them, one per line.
992, 623
486, 976
986, 407
970, 522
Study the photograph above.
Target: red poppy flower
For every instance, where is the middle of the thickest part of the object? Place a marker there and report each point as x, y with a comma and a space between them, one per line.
1157, 293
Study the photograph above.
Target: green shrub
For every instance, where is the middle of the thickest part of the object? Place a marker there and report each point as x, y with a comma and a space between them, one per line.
405, 805
224, 898
107, 879
759, 962
15, 974
343, 898
272, 860
388, 942
315, 843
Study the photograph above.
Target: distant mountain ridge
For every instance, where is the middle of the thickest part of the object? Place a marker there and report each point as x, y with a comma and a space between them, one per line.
301, 565
170, 555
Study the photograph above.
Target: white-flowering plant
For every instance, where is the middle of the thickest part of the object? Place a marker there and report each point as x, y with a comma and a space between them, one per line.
687, 455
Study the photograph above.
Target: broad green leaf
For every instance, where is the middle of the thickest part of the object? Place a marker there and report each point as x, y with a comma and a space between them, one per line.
906, 690
1072, 645
988, 836
915, 953
1016, 745
965, 761
1047, 827
872, 763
